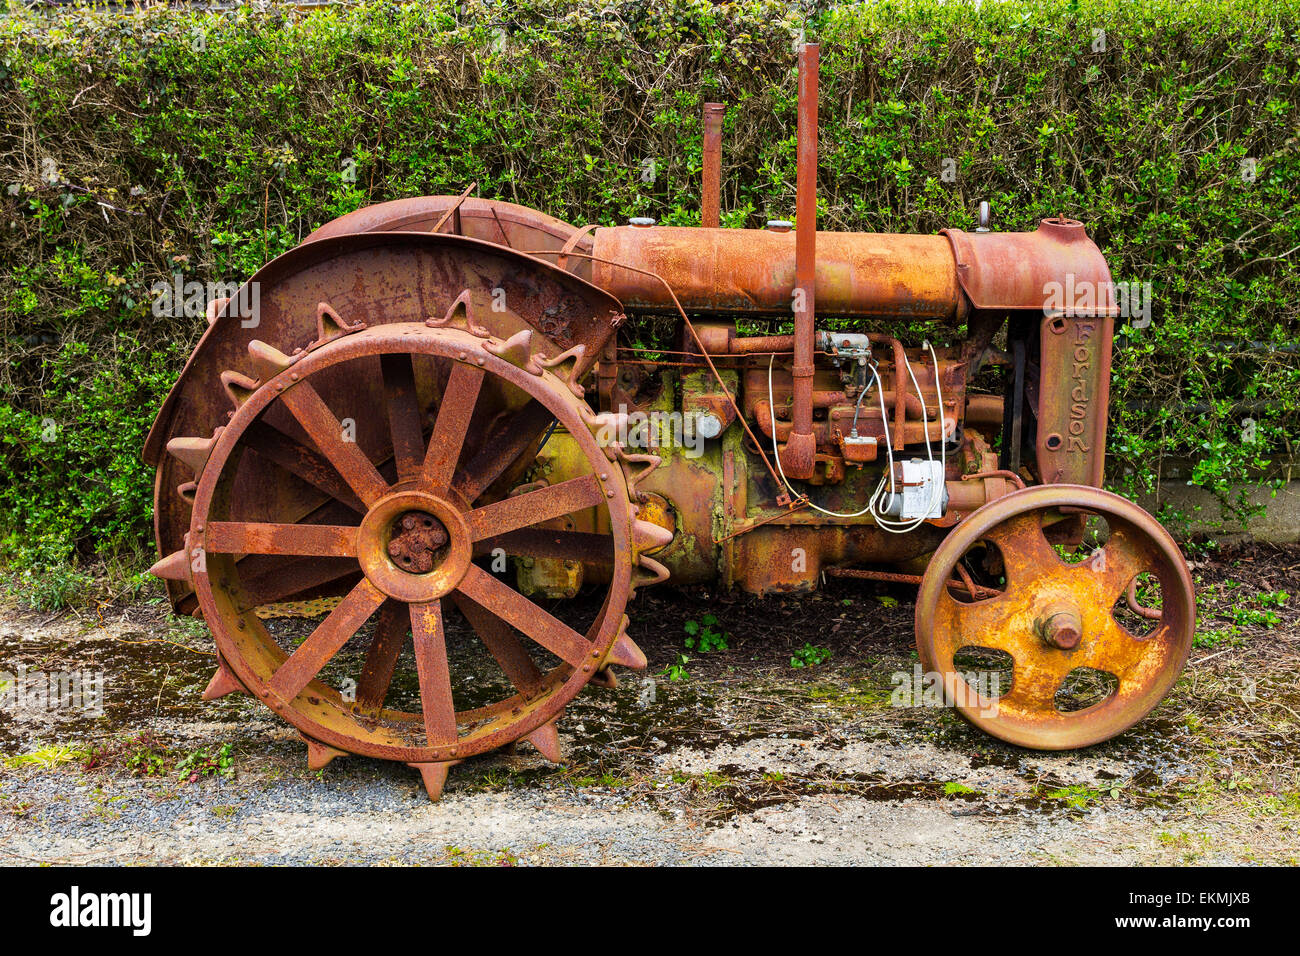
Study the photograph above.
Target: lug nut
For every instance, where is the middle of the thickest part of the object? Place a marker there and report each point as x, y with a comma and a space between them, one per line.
1060, 627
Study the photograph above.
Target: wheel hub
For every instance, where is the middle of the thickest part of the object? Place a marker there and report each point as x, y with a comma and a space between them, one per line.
414, 546
418, 542
1060, 626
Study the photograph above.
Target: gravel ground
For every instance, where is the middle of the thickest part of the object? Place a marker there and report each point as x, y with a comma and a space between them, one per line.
744, 761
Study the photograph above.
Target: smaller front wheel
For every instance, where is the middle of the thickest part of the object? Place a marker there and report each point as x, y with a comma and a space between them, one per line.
1089, 639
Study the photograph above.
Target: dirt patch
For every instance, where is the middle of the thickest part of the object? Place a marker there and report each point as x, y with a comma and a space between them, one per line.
782, 747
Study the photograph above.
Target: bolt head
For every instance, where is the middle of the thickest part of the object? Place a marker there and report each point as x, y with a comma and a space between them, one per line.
1060, 627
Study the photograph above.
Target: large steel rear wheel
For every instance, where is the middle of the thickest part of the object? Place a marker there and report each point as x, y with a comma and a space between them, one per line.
406, 536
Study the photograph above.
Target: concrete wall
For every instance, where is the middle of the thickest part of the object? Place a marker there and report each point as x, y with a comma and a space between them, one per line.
1280, 523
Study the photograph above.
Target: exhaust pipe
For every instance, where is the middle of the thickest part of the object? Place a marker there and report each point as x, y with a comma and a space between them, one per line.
799, 455
711, 187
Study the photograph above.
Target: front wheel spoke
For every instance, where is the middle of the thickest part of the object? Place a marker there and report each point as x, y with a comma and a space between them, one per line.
503, 448
306, 405
1035, 680
1026, 552
254, 537
434, 673
454, 413
391, 629
534, 507
404, 418
1116, 564
326, 641
1116, 651
525, 616
266, 579
502, 644
985, 623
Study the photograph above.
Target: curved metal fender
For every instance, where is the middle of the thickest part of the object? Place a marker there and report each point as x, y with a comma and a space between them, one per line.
492, 220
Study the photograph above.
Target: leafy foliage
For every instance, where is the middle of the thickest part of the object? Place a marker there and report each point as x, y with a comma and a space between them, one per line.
810, 655
141, 144
704, 636
199, 763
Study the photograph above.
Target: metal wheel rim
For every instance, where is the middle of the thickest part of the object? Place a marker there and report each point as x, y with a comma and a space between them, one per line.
1170, 641
322, 715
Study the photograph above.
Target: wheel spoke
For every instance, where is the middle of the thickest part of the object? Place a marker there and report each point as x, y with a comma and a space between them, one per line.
987, 623
1037, 677
327, 432
404, 418
297, 459
502, 644
525, 616
454, 413
505, 447
1111, 648
435, 676
1117, 563
581, 546
391, 628
1026, 552
534, 507
326, 641
253, 537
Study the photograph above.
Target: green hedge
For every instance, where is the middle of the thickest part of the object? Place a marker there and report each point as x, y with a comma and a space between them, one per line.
136, 145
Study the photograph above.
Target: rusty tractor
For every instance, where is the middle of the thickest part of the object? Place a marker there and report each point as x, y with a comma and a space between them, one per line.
430, 423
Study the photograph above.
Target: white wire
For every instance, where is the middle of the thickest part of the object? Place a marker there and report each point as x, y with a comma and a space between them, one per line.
771, 405
925, 418
884, 523
857, 408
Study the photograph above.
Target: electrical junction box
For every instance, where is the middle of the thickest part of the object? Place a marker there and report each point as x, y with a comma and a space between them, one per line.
920, 491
